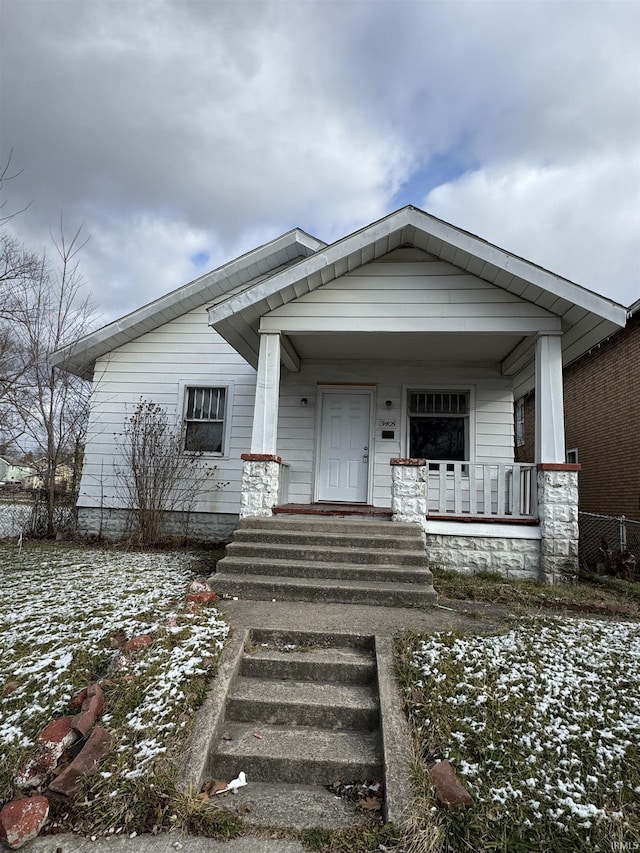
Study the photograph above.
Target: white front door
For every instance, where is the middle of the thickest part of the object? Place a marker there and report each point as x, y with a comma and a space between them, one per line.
343, 458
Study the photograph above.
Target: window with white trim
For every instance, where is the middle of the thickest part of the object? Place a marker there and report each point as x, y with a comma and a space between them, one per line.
205, 413
438, 424
572, 456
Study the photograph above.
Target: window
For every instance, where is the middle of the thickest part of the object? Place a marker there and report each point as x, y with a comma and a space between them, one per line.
438, 424
520, 422
572, 456
205, 419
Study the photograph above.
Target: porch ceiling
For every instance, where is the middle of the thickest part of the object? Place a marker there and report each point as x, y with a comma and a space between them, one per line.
406, 347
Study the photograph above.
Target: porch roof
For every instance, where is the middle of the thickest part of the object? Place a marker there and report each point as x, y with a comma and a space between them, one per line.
585, 318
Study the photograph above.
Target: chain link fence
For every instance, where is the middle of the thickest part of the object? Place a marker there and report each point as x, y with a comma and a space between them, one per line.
26, 513
607, 541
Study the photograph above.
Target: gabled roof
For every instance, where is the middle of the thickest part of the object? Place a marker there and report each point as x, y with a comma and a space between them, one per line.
586, 317
250, 268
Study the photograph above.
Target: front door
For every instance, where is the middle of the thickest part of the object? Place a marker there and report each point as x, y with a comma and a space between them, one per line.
343, 458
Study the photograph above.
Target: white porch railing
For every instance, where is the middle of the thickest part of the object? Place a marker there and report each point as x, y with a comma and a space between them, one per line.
501, 490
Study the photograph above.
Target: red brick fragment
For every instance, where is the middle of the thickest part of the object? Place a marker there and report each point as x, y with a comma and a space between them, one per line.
57, 734
140, 641
21, 820
51, 743
77, 701
449, 790
201, 598
97, 746
92, 708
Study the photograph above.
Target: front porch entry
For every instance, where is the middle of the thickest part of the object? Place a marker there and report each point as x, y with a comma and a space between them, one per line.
343, 445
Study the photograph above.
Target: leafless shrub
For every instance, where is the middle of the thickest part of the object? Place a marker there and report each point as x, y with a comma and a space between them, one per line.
155, 475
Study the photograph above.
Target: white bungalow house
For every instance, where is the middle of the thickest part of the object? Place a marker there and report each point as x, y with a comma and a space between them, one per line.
375, 375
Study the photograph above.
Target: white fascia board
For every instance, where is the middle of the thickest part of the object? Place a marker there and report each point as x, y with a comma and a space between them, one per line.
80, 355
548, 281
303, 269
495, 530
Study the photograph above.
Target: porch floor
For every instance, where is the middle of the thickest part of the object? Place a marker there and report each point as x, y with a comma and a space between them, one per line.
335, 510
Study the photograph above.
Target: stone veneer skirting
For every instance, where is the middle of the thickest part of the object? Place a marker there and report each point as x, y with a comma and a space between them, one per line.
514, 558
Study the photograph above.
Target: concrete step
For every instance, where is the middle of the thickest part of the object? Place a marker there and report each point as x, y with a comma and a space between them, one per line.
303, 754
330, 539
284, 639
338, 665
336, 554
338, 571
328, 525
297, 806
322, 590
302, 703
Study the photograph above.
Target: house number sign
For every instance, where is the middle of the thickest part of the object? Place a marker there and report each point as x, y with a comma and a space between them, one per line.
387, 424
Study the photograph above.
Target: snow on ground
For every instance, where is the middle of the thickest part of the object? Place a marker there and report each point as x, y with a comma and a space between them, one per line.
542, 721
59, 608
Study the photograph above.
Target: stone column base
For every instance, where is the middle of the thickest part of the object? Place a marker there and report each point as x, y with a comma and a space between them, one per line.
409, 491
259, 488
558, 513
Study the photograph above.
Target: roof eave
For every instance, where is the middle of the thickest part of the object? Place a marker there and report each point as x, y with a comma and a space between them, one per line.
406, 219
80, 356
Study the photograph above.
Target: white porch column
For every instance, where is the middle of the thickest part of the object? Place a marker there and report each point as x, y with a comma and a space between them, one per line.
261, 470
265, 414
549, 444
557, 481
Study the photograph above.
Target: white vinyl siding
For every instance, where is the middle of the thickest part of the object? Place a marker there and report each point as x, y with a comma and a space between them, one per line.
158, 366
491, 415
382, 296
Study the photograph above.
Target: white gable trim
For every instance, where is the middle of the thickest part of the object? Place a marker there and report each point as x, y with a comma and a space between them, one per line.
413, 226
249, 268
583, 315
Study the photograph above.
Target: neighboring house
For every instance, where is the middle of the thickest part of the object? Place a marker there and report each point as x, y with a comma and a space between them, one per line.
16, 473
602, 422
375, 374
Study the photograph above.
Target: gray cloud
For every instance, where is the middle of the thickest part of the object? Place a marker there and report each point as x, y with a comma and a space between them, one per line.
178, 128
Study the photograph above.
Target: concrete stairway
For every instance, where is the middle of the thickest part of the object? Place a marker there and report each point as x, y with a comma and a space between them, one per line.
330, 560
301, 713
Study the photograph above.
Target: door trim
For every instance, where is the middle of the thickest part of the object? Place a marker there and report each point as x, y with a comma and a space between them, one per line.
340, 388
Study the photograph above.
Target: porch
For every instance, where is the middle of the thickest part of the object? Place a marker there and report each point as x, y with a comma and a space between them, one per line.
455, 491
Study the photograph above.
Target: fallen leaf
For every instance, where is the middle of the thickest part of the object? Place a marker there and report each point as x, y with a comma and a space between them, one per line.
372, 804
213, 787
243, 808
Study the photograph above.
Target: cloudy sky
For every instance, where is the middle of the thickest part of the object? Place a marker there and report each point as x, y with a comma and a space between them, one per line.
184, 132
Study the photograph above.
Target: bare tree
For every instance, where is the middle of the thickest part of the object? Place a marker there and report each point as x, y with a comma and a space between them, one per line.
156, 476
48, 310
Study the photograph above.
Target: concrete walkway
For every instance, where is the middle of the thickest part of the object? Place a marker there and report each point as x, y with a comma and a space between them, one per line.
164, 843
295, 616
357, 619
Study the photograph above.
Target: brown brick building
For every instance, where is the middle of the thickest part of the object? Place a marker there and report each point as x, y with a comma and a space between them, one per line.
602, 422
